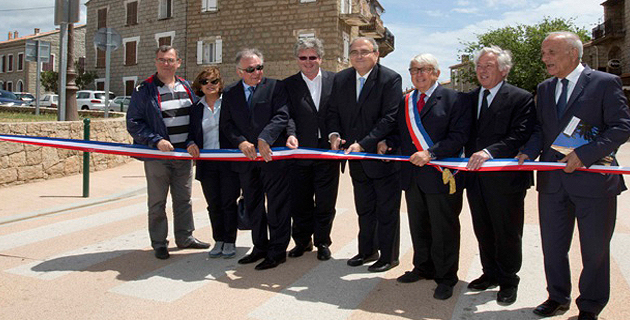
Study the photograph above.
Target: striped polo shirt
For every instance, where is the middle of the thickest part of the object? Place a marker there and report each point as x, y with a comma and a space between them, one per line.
175, 104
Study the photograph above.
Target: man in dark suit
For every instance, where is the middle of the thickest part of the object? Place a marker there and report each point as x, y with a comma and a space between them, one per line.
432, 124
504, 120
314, 183
254, 115
362, 113
577, 93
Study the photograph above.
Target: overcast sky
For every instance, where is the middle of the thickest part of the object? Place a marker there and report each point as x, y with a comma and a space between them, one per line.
420, 26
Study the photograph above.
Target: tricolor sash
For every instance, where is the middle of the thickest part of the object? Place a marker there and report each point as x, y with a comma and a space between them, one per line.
421, 138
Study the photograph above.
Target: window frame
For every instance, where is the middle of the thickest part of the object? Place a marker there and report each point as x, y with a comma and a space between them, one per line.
10, 62
20, 61
170, 34
127, 3
169, 13
206, 6
217, 45
128, 40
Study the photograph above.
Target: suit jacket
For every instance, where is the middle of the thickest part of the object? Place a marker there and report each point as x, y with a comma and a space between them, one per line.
267, 119
599, 100
371, 118
447, 122
502, 130
306, 122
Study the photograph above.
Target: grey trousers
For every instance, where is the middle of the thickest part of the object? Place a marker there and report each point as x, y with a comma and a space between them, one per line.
176, 175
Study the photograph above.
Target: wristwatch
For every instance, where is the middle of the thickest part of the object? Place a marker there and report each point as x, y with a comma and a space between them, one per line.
432, 155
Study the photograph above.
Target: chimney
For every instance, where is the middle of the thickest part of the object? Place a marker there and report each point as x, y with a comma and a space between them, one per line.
15, 34
36, 31
10, 35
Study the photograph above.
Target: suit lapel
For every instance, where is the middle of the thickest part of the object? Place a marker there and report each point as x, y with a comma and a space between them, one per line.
327, 82
582, 82
306, 93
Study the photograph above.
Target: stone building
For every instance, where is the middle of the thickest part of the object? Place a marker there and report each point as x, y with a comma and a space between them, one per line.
19, 75
210, 32
609, 50
459, 81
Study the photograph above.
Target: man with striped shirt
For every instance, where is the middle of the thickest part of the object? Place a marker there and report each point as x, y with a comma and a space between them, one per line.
158, 118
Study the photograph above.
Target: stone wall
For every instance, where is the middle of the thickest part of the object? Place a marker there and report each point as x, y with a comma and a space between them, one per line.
22, 163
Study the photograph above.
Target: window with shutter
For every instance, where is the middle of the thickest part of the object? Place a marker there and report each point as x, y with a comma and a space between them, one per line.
10, 63
209, 5
3, 63
165, 10
49, 66
210, 51
132, 13
130, 53
102, 18
164, 41
20, 62
100, 58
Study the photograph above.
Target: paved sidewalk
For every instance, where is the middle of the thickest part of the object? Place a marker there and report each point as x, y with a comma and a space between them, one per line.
63, 256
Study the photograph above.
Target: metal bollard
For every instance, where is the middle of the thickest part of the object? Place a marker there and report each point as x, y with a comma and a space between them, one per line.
86, 159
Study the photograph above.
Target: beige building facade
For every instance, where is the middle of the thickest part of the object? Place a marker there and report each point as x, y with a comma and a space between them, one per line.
609, 50
19, 75
211, 32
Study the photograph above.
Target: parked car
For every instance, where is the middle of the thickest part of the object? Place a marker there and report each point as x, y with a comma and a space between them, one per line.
10, 99
92, 100
120, 103
25, 96
47, 101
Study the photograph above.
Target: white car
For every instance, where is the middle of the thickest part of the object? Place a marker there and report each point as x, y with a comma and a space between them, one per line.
92, 100
120, 104
47, 101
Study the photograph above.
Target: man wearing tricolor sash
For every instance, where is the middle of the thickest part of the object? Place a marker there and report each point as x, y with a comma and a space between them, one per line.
432, 124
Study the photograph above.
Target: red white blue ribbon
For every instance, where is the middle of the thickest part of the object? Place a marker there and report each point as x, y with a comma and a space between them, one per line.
286, 153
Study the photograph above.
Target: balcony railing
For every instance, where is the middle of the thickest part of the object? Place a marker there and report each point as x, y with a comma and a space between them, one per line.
375, 29
610, 28
386, 43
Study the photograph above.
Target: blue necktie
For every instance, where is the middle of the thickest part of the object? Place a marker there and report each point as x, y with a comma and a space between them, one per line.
562, 102
249, 97
361, 83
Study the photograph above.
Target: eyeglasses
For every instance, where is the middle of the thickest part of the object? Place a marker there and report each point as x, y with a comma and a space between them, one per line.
363, 53
167, 61
204, 82
421, 70
252, 69
304, 58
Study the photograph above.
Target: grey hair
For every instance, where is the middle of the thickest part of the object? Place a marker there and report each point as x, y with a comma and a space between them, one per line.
368, 39
426, 59
504, 57
246, 53
309, 43
572, 39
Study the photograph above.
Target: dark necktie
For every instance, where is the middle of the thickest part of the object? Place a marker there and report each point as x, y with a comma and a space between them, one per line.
249, 98
484, 102
421, 102
562, 101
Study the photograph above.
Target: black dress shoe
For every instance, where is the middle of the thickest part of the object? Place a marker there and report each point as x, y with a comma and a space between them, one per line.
381, 266
412, 276
587, 316
360, 259
162, 253
299, 250
252, 257
269, 263
323, 253
550, 308
483, 283
195, 244
507, 294
443, 292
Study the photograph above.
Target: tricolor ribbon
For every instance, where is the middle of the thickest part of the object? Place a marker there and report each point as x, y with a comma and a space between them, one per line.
286, 153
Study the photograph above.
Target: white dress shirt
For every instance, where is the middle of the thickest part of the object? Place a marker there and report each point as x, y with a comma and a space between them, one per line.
210, 124
314, 87
573, 79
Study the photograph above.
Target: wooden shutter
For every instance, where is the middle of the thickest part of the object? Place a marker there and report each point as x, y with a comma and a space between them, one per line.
102, 18
132, 13
130, 53
199, 52
100, 58
218, 54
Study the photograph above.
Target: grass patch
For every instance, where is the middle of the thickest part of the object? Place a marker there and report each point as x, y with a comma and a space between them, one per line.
26, 117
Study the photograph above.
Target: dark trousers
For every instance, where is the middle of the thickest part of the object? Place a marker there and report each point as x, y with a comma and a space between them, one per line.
498, 223
221, 188
596, 222
256, 182
435, 233
377, 202
314, 187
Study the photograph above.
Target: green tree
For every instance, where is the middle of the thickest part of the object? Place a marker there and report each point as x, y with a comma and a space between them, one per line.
84, 78
50, 81
524, 42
